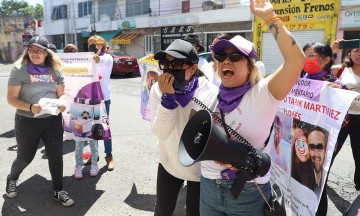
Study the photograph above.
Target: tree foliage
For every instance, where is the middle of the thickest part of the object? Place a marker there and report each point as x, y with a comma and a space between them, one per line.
21, 8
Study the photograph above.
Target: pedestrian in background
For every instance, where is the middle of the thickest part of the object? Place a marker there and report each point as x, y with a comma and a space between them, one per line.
37, 74
104, 64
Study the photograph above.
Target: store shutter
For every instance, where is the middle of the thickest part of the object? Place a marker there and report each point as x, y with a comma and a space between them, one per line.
271, 55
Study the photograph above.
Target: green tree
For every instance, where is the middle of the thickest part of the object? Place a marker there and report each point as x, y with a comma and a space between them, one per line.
20, 8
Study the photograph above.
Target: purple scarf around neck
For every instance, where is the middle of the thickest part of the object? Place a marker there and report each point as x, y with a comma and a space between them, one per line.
102, 53
316, 76
184, 96
36, 69
230, 98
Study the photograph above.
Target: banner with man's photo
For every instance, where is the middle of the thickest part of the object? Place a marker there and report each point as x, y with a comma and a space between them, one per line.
150, 72
85, 117
303, 140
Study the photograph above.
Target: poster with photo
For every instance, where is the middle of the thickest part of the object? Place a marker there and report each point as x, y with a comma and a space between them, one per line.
85, 117
150, 72
303, 139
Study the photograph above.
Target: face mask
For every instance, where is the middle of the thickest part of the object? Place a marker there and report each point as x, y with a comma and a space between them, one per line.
92, 48
179, 75
312, 66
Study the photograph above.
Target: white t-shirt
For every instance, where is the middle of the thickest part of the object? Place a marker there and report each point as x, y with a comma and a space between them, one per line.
168, 125
104, 68
352, 81
252, 119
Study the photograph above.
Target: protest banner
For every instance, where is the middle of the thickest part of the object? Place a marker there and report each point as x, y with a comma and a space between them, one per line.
149, 71
303, 139
85, 117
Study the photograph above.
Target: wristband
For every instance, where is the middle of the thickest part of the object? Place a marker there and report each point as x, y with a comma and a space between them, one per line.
30, 108
273, 19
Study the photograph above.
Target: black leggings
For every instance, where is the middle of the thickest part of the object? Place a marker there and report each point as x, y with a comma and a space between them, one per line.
167, 192
28, 133
351, 129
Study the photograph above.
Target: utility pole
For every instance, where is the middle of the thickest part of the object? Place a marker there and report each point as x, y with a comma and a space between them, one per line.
75, 36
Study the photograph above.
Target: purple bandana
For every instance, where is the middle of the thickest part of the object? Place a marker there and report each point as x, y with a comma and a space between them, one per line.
102, 53
316, 76
183, 97
36, 69
230, 97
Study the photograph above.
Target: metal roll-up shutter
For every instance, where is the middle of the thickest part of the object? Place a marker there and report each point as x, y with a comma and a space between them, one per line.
271, 55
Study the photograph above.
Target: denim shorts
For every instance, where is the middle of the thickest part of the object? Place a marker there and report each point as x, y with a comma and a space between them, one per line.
217, 200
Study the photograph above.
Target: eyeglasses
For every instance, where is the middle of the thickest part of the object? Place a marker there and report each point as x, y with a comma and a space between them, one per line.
318, 146
36, 50
234, 57
175, 63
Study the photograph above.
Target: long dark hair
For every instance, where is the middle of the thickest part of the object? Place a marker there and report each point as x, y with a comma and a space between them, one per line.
323, 50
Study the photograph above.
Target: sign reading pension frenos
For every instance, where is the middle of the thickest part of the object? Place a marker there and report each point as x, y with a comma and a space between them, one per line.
171, 33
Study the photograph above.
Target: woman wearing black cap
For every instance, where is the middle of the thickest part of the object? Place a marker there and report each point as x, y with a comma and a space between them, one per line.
36, 75
171, 106
247, 104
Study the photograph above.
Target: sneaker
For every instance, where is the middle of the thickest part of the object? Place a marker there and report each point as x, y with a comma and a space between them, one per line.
109, 163
78, 172
94, 170
63, 197
11, 187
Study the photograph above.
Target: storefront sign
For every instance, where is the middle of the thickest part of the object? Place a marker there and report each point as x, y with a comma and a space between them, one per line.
171, 33
304, 10
350, 18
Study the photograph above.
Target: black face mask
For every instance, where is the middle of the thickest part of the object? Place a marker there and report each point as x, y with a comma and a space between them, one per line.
92, 48
179, 75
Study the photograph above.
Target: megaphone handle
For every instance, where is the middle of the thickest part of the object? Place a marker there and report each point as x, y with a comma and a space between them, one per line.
237, 186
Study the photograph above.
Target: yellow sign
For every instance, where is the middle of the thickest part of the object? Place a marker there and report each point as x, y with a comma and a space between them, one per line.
120, 41
300, 15
305, 10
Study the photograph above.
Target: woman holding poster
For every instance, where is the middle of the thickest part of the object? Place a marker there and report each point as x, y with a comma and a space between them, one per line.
248, 104
104, 64
36, 76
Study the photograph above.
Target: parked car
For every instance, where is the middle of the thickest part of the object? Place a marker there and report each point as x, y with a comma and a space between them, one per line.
206, 56
123, 63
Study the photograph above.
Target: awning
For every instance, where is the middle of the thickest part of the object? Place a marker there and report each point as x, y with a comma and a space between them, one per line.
124, 38
108, 35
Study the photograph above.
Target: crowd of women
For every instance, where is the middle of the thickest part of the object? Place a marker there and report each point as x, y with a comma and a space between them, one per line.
245, 101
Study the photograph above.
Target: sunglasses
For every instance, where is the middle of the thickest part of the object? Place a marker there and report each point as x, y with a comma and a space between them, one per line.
318, 146
175, 63
234, 57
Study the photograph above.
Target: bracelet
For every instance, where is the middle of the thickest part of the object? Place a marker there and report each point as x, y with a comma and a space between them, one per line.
273, 19
30, 108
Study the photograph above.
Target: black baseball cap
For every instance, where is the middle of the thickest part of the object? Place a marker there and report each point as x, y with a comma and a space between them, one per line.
39, 41
194, 39
179, 49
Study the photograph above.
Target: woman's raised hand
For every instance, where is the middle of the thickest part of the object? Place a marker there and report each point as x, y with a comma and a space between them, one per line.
262, 9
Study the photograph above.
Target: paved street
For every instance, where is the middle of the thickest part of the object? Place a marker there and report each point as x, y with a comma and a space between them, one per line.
130, 188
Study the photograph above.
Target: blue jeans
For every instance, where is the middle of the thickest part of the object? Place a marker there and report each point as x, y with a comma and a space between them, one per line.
108, 143
217, 200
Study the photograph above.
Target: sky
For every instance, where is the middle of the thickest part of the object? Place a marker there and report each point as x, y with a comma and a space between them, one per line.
34, 2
